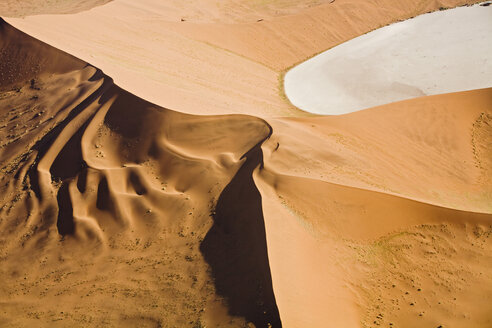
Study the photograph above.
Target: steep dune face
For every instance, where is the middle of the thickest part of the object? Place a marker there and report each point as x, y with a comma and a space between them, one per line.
108, 197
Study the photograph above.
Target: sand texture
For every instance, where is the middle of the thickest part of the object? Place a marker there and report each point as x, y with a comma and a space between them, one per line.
15, 8
209, 66
120, 212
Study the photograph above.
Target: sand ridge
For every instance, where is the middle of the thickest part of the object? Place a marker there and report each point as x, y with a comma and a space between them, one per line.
430, 156
93, 184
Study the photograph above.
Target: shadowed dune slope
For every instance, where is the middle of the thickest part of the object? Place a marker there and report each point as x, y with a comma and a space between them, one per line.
22, 57
107, 214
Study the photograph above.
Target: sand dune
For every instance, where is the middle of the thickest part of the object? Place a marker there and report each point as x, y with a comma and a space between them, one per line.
311, 30
158, 64
107, 196
213, 64
355, 258
115, 211
405, 246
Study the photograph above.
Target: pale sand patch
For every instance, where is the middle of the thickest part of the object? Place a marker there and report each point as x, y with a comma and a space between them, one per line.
441, 52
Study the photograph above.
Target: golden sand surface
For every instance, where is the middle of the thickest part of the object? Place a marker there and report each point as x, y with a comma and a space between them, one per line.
120, 212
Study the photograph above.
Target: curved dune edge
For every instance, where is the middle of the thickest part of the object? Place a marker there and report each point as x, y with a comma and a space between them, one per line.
355, 258
360, 258
115, 211
433, 149
118, 211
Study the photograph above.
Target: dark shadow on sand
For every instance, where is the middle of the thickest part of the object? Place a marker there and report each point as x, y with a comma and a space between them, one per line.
236, 249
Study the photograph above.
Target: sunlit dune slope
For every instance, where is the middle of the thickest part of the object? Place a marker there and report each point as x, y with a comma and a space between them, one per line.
218, 60
434, 149
371, 217
355, 258
283, 41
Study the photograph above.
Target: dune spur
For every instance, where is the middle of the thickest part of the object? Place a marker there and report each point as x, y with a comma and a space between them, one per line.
440, 52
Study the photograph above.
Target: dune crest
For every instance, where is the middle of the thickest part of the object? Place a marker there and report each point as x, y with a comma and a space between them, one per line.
437, 152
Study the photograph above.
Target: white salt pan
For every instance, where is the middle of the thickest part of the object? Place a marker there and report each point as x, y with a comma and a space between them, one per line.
440, 52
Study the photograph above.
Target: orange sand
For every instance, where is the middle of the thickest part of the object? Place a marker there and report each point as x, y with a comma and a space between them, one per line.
118, 212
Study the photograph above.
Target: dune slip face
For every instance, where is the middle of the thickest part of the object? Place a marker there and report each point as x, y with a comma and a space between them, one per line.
441, 52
